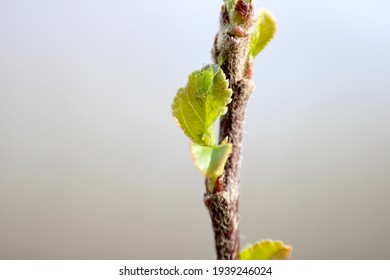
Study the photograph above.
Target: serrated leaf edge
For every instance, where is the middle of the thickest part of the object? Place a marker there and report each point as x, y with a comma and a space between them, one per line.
285, 249
262, 15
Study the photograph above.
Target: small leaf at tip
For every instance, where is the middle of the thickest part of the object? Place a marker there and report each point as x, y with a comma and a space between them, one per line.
264, 33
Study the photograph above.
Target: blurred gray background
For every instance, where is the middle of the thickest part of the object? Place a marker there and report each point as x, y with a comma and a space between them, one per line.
93, 166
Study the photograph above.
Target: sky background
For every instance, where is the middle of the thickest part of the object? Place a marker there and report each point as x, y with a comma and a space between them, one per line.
93, 166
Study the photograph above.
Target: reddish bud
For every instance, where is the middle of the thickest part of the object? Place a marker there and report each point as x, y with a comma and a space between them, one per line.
244, 10
238, 31
218, 185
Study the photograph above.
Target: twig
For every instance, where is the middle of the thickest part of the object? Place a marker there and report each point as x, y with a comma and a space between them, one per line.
231, 50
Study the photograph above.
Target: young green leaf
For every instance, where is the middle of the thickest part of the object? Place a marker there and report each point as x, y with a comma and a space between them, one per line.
267, 250
211, 160
197, 106
265, 31
230, 4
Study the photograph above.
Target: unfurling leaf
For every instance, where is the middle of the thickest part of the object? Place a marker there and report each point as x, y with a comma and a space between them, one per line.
230, 4
267, 250
197, 106
211, 160
265, 31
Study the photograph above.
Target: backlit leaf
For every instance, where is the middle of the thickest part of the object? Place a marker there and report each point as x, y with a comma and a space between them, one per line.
265, 31
197, 106
267, 250
211, 160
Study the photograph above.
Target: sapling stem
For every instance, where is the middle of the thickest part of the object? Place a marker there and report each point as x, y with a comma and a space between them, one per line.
223, 90
231, 51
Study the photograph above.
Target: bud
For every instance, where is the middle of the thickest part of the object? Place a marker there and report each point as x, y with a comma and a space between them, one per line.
238, 31
243, 12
